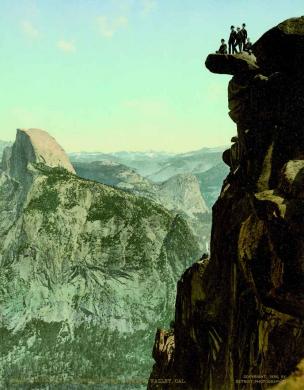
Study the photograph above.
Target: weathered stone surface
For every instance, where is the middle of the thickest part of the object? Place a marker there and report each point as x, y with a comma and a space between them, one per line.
295, 381
232, 63
282, 47
253, 98
241, 314
292, 179
163, 350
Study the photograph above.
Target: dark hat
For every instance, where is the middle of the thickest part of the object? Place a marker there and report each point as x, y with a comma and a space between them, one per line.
244, 25
232, 27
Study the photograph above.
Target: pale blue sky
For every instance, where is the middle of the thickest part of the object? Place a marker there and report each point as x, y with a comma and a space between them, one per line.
122, 74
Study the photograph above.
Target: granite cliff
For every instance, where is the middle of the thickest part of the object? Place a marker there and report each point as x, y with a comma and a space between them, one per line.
239, 314
87, 272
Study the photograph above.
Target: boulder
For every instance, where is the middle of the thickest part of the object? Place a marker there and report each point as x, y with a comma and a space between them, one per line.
282, 47
232, 63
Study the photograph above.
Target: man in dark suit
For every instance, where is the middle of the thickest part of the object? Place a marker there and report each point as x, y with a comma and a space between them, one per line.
223, 47
232, 41
244, 35
239, 39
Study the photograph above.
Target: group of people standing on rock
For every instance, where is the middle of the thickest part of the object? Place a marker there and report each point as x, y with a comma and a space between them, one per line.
238, 40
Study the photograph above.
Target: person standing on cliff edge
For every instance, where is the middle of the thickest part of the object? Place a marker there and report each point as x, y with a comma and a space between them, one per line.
239, 39
232, 41
244, 35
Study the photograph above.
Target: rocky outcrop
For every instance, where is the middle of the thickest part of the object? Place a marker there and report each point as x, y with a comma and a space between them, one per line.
239, 314
164, 347
292, 178
228, 64
281, 48
87, 272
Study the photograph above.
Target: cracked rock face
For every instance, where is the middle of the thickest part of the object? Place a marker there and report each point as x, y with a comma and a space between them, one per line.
87, 272
240, 313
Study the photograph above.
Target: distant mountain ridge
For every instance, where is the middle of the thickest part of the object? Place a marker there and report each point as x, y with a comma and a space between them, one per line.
159, 166
121, 176
164, 178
